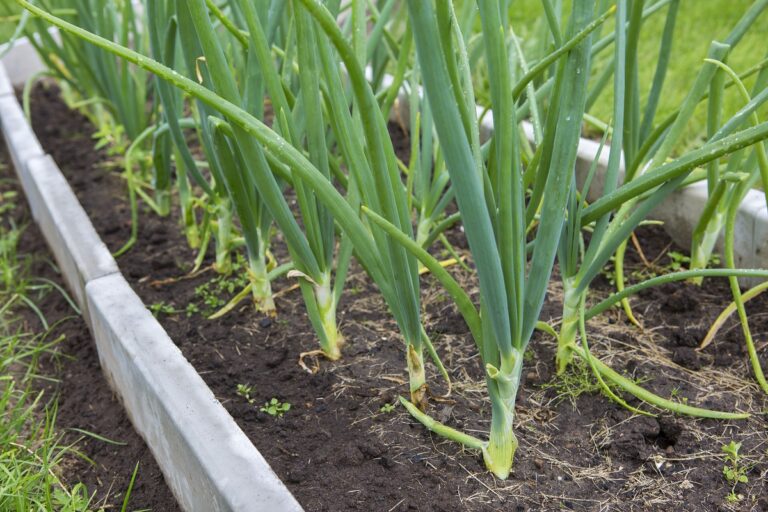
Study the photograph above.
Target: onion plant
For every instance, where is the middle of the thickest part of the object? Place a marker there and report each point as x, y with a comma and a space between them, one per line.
375, 176
723, 184
232, 189
491, 199
114, 94
577, 270
428, 183
242, 156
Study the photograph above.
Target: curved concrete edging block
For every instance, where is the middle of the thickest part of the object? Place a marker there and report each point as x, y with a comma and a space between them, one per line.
208, 462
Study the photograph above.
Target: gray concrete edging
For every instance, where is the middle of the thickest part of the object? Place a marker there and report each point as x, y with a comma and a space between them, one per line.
207, 460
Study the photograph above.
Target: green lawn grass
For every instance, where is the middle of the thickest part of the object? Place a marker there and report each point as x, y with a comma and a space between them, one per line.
33, 455
698, 23
30, 448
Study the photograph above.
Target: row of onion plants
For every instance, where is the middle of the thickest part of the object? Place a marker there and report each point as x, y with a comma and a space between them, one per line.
324, 143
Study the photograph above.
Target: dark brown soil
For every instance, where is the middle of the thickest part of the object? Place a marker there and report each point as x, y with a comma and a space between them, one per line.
337, 450
72, 375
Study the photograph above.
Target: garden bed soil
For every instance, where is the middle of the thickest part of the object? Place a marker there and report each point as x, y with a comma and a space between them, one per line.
337, 449
85, 400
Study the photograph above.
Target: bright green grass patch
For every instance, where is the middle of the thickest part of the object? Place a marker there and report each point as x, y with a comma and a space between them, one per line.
30, 449
698, 23
32, 453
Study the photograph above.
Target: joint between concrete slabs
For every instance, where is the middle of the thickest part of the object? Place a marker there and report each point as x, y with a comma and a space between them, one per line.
208, 461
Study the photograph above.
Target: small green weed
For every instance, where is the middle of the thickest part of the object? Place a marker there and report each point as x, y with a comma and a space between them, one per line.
677, 261
387, 408
162, 308
192, 309
675, 395
246, 391
576, 381
276, 408
529, 356
216, 293
734, 471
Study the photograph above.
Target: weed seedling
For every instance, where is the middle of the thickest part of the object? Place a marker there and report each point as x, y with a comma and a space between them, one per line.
7, 201
675, 395
246, 391
734, 471
192, 309
573, 383
214, 294
162, 308
387, 408
276, 408
529, 356
678, 261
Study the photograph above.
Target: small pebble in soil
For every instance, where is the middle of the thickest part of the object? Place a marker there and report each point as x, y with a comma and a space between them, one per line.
298, 474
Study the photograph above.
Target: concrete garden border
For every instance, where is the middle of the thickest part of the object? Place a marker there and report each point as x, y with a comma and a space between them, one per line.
207, 460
